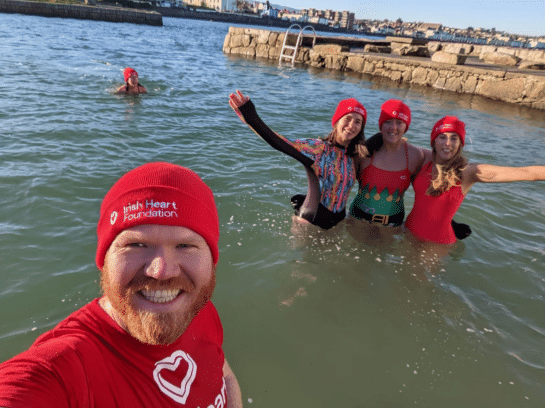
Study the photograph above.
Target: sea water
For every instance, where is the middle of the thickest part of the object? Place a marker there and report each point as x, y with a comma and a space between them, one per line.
345, 318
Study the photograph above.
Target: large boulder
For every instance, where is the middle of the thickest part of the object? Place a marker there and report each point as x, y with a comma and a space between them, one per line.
444, 57
262, 37
410, 50
355, 63
456, 48
532, 65
510, 90
330, 49
500, 58
486, 49
434, 46
237, 41
407, 40
377, 48
262, 51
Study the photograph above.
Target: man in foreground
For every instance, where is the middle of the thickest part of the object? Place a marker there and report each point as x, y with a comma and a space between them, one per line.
153, 339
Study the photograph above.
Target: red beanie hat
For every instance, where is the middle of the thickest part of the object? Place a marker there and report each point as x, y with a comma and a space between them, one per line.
128, 72
394, 109
158, 193
348, 106
449, 124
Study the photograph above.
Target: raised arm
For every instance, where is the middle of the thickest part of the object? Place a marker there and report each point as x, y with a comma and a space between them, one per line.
487, 173
245, 109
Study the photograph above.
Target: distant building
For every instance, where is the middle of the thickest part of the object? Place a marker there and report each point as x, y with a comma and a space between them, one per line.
344, 19
218, 5
429, 26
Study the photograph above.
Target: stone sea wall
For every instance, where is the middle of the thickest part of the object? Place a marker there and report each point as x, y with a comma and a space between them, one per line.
84, 12
449, 67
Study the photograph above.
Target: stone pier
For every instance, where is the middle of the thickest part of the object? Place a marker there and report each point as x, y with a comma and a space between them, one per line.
510, 75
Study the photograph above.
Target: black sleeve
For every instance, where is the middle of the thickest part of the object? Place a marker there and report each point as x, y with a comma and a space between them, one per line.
262, 130
309, 208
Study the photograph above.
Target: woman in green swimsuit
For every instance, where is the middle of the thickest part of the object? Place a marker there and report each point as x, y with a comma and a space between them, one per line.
385, 174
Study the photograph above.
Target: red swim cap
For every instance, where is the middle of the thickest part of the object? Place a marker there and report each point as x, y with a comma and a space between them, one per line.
128, 72
161, 194
449, 124
349, 106
394, 109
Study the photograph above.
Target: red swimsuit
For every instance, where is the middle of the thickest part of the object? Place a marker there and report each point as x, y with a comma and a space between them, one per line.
430, 218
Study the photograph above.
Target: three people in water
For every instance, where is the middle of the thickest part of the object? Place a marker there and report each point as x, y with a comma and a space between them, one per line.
384, 166
132, 86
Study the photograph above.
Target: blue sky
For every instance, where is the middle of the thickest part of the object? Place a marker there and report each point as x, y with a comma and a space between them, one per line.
526, 17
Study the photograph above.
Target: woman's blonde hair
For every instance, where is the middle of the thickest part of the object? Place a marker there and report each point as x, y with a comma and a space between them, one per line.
448, 174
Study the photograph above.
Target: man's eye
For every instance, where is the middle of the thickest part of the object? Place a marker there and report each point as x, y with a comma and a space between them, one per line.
136, 245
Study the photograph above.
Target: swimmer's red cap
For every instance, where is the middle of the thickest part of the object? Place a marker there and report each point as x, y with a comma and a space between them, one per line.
347, 106
394, 109
158, 193
449, 124
128, 72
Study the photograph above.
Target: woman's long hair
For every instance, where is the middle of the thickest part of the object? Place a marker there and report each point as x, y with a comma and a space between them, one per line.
448, 174
354, 144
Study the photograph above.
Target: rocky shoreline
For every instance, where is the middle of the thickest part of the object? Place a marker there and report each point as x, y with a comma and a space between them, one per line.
510, 75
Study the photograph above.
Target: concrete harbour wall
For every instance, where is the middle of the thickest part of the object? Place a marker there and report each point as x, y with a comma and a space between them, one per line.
404, 60
84, 12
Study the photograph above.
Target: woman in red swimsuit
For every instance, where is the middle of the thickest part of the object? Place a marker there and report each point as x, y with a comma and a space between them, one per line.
446, 178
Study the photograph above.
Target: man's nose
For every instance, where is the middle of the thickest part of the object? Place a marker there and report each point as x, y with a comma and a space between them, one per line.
163, 265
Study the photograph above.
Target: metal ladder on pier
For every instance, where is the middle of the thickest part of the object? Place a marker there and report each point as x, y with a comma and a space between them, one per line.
298, 42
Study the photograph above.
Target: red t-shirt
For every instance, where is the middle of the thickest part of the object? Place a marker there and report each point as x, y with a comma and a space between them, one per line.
87, 360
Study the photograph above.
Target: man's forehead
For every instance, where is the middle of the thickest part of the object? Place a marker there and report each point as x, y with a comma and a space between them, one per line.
174, 231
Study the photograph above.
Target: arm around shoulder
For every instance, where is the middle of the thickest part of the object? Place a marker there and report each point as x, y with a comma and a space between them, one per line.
417, 157
234, 396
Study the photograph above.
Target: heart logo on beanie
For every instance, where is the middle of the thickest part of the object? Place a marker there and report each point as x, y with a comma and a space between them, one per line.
113, 217
171, 366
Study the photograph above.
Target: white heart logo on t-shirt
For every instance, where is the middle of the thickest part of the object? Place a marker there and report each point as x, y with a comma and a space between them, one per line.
177, 393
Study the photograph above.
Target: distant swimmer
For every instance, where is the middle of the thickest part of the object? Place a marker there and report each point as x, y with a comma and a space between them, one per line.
329, 163
445, 179
132, 86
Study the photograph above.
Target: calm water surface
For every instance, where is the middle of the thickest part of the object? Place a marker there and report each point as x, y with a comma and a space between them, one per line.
341, 318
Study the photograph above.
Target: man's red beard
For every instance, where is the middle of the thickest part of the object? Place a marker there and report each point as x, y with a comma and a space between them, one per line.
153, 327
